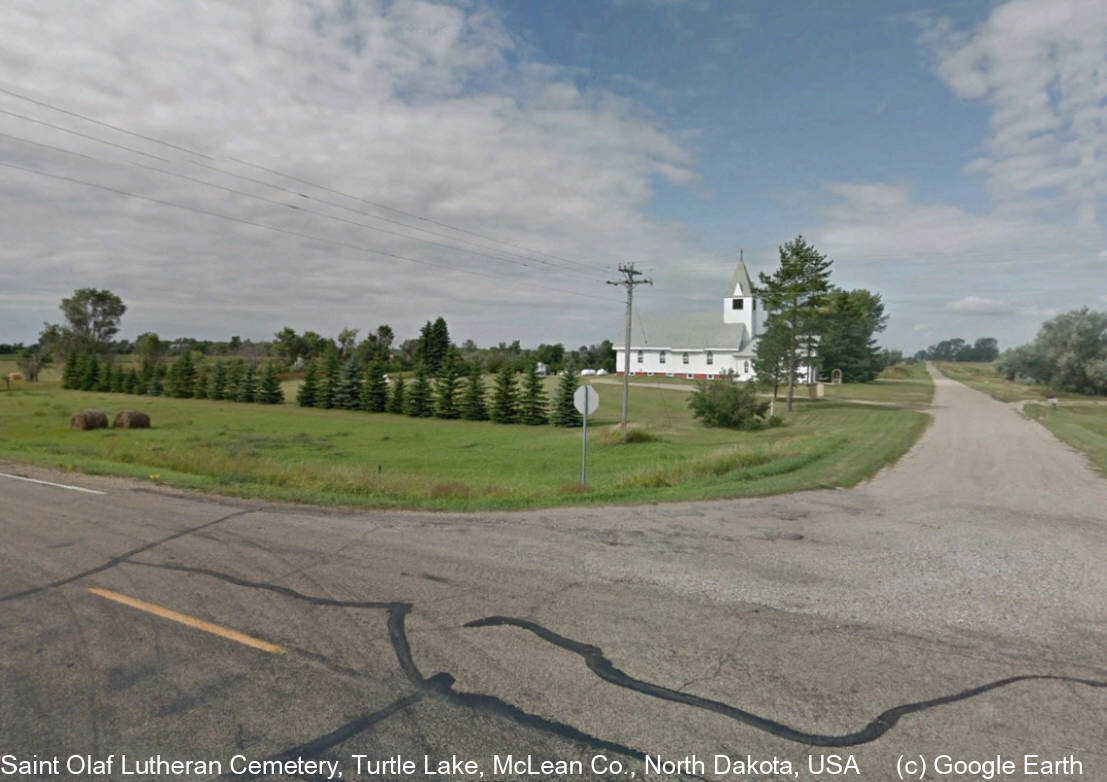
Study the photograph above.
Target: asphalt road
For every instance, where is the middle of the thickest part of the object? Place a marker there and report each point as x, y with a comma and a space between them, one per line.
956, 605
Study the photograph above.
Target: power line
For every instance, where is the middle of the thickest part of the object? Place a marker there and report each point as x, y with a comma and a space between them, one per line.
197, 153
289, 232
245, 193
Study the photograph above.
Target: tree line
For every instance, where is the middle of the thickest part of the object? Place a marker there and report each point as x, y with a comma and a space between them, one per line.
455, 390
1068, 354
236, 380
957, 349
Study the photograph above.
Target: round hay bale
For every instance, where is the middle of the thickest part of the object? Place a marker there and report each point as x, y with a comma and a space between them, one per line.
131, 419
89, 419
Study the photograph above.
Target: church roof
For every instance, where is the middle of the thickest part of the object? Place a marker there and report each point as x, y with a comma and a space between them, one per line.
696, 331
740, 284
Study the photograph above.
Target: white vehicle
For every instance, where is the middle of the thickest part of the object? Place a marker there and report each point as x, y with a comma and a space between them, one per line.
601, 371
587, 372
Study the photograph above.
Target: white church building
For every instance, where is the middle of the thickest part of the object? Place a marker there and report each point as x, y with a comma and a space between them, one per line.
701, 346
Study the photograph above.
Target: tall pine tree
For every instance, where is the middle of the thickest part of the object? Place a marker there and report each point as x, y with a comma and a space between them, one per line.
332, 369
505, 401
396, 399
419, 403
217, 382
269, 385
347, 392
532, 405
473, 407
374, 393
308, 392
796, 294
445, 387
248, 385
564, 410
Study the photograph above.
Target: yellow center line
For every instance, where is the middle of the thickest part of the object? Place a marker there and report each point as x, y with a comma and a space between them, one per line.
190, 621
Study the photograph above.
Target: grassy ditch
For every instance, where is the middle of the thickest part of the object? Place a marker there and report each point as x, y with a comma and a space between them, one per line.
1081, 426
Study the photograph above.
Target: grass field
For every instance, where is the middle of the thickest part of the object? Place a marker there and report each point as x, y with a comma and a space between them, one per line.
902, 384
983, 377
344, 457
1082, 426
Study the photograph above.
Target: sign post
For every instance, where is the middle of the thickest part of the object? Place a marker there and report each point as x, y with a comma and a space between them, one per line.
585, 400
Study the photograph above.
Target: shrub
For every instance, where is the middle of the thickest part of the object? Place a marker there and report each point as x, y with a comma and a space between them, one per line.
722, 402
633, 434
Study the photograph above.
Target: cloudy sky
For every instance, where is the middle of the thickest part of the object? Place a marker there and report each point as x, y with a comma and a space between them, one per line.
233, 168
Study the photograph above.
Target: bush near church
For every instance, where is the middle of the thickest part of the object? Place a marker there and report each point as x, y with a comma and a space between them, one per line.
722, 402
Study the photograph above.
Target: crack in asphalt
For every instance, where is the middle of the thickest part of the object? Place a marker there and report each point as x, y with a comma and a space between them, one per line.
602, 667
121, 558
439, 685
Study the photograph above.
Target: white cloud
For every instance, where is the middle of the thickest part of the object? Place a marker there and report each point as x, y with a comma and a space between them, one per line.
426, 107
1040, 67
879, 221
979, 305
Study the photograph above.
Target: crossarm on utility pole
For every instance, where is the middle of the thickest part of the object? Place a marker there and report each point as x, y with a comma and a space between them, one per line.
630, 275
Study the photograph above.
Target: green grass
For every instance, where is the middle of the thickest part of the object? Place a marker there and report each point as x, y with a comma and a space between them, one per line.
351, 458
983, 377
1081, 426
902, 384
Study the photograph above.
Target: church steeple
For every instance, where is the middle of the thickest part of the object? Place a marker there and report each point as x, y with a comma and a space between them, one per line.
740, 284
739, 304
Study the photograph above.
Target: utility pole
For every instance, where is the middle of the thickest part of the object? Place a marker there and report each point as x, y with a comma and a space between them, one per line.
629, 280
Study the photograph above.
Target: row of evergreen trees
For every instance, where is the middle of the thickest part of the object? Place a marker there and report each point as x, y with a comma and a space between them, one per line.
451, 394
231, 381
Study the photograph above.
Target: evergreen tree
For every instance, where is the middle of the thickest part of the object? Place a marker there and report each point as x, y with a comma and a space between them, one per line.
269, 385
90, 375
116, 384
182, 377
236, 373
771, 365
130, 382
418, 403
396, 399
156, 384
796, 294
564, 410
309, 389
141, 379
532, 406
849, 322
332, 368
445, 387
472, 401
374, 392
71, 374
248, 386
347, 391
505, 402
203, 370
103, 379
217, 383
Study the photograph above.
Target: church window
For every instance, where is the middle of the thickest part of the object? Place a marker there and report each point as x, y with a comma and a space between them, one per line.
747, 367
710, 357
736, 304
684, 358
661, 356
641, 356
